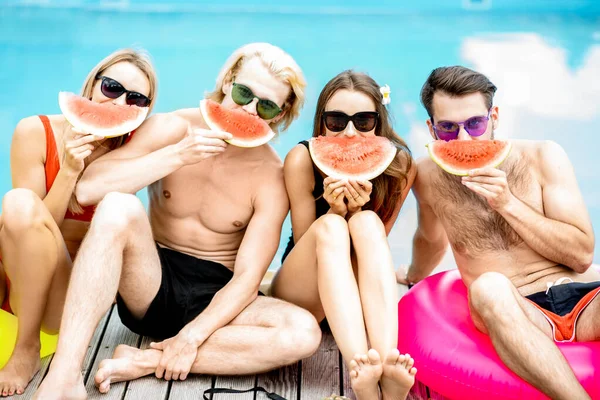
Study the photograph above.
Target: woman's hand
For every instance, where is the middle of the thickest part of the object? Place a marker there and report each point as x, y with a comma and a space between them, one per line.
358, 194
77, 148
333, 193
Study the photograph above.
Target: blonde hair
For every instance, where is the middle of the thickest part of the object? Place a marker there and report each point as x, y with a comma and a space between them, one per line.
280, 63
140, 59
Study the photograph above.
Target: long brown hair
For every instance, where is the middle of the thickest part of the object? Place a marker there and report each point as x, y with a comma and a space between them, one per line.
387, 188
138, 58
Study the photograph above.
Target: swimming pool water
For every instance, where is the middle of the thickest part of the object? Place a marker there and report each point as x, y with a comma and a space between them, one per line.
543, 55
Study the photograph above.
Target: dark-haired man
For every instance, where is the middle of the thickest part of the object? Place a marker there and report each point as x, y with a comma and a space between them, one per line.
520, 233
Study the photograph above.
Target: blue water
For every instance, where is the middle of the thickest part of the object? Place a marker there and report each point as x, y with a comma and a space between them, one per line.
544, 56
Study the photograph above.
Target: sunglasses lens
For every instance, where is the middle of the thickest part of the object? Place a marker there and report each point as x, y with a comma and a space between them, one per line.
111, 88
241, 94
266, 109
137, 99
447, 130
476, 126
336, 122
365, 121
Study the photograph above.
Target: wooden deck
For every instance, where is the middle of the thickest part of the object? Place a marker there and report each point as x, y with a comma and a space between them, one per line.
314, 378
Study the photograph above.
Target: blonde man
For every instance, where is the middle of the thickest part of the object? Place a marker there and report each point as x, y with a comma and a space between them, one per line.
189, 274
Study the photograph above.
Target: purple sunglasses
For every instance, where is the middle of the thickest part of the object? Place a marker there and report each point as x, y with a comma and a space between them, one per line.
448, 130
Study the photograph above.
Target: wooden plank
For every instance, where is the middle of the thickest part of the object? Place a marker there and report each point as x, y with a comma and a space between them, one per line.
346, 387
148, 387
283, 381
235, 382
192, 388
116, 333
321, 372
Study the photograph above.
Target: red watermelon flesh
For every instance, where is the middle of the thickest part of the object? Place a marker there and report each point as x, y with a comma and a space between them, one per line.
248, 130
102, 119
357, 158
458, 157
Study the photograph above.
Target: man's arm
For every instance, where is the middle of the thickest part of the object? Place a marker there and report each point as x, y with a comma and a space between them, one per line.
148, 157
256, 252
430, 240
563, 233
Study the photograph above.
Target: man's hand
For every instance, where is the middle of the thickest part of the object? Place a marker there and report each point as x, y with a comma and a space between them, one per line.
179, 354
490, 183
199, 144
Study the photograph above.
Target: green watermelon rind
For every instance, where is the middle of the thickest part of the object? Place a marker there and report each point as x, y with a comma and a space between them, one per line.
123, 128
213, 125
366, 176
493, 163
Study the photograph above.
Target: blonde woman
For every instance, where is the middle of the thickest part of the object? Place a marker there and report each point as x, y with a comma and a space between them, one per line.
188, 274
42, 224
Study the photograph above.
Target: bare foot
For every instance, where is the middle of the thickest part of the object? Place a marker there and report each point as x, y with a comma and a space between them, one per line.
57, 386
365, 372
19, 370
124, 366
398, 376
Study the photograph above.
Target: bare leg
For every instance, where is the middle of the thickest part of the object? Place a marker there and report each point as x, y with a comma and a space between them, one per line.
522, 336
38, 265
377, 287
118, 253
289, 332
318, 276
588, 324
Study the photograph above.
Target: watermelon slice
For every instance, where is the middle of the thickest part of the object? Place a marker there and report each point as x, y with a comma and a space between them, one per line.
102, 119
248, 130
357, 158
458, 157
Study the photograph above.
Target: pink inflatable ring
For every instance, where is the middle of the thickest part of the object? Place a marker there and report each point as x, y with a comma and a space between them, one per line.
456, 361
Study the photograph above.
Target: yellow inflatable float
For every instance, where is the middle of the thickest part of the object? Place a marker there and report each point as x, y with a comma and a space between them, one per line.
8, 338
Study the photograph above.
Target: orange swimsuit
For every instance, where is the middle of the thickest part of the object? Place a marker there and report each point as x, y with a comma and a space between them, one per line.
52, 167
562, 304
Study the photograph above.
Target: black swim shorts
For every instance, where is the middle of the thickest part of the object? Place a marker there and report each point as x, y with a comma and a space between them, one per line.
187, 287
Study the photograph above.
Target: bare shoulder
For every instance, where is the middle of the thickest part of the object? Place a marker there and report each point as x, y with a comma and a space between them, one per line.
298, 158
545, 156
29, 137
29, 128
426, 169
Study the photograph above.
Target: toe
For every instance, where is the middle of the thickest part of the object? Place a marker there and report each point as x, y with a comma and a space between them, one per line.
353, 365
413, 371
104, 386
410, 363
354, 374
392, 357
374, 357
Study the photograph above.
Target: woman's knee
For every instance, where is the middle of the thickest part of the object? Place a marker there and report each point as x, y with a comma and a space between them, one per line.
118, 212
366, 225
23, 210
330, 228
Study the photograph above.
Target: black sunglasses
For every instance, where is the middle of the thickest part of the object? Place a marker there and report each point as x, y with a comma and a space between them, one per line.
113, 90
242, 95
364, 121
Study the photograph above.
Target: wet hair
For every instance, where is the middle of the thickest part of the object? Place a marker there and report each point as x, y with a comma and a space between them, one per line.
281, 65
456, 81
387, 188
